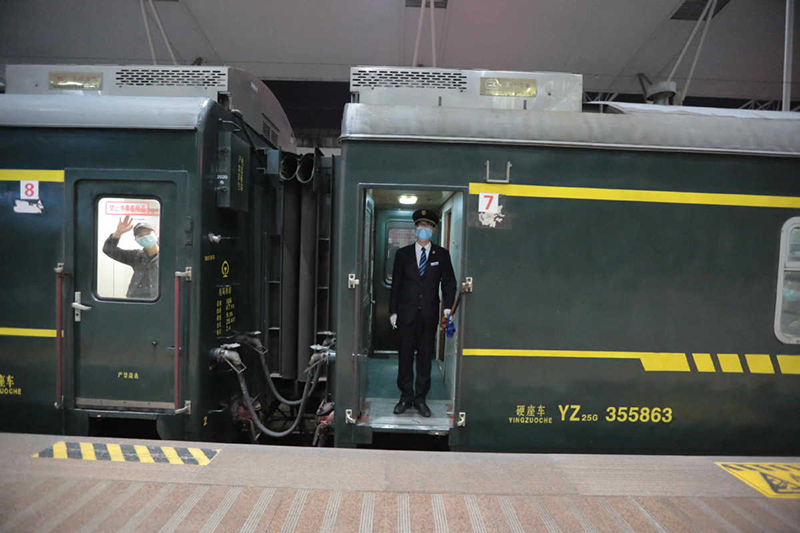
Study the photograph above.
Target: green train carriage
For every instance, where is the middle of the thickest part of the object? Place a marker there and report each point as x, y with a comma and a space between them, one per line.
195, 154
634, 289
628, 278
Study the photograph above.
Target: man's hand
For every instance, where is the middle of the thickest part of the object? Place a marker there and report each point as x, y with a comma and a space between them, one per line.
393, 320
125, 224
447, 313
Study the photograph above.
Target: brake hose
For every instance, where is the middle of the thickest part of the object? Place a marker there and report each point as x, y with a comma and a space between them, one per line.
257, 421
272, 387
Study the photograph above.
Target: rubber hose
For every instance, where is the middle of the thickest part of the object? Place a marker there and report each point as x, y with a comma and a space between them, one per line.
272, 386
249, 403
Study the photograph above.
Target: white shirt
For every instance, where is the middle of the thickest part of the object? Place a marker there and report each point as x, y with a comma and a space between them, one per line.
418, 249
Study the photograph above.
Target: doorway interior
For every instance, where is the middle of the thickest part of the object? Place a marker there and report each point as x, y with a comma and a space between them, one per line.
392, 228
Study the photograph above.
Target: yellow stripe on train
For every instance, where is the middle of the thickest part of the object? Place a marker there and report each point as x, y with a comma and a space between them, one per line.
663, 361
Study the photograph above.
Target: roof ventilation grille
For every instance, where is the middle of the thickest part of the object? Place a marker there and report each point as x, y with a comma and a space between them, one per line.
183, 77
692, 9
408, 79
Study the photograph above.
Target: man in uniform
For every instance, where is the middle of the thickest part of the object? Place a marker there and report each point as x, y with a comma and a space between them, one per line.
418, 271
144, 262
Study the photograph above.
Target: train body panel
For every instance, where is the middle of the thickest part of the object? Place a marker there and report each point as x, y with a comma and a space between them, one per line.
602, 317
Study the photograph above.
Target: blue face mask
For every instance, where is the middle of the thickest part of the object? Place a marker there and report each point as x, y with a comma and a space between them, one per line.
147, 241
424, 234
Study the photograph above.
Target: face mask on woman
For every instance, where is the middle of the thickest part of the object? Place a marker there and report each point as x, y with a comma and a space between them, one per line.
146, 241
424, 234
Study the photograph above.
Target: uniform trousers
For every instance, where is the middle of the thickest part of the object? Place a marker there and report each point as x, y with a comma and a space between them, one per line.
419, 337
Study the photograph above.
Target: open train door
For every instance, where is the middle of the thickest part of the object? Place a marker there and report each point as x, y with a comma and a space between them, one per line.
120, 317
364, 298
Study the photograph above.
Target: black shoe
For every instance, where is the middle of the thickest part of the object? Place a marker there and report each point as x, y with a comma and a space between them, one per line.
423, 408
401, 407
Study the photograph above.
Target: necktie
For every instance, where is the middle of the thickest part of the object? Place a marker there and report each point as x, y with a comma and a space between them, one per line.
423, 262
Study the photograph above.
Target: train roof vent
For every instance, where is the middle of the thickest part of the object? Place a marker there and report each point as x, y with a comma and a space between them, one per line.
371, 78
179, 77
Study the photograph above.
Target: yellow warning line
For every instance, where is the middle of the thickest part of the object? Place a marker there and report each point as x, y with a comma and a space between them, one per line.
60, 450
12, 174
198, 454
143, 453
28, 332
172, 455
631, 195
115, 452
87, 451
790, 364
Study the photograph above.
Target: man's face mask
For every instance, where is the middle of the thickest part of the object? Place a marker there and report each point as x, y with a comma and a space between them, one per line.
423, 233
146, 241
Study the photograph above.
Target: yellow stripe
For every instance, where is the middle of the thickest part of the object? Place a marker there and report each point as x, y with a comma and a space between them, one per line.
28, 332
115, 452
143, 453
651, 361
60, 450
87, 451
11, 174
790, 364
729, 362
703, 362
759, 363
198, 454
172, 455
631, 195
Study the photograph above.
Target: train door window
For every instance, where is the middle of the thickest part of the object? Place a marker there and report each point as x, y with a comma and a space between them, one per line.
128, 232
398, 234
787, 312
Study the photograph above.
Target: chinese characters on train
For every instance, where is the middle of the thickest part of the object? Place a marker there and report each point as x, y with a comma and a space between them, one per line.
8, 385
225, 311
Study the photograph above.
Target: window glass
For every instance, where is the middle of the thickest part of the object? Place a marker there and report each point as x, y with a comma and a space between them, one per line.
398, 234
128, 231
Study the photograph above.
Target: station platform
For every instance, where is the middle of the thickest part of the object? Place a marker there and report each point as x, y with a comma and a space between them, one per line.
57, 483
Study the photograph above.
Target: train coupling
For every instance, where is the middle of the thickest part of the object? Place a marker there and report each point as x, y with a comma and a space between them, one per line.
228, 353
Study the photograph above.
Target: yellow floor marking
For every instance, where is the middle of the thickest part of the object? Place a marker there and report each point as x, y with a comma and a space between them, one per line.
172, 455
143, 453
115, 452
87, 451
703, 362
13, 174
651, 361
759, 363
631, 195
198, 454
28, 332
60, 450
729, 362
774, 480
790, 364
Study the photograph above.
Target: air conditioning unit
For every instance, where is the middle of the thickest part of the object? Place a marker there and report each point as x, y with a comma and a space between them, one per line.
492, 89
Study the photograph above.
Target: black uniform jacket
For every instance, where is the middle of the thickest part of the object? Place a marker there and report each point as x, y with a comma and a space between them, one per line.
410, 293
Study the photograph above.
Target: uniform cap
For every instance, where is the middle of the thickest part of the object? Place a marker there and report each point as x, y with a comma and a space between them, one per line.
426, 215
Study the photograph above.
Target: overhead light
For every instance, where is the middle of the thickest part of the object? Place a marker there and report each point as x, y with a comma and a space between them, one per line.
408, 199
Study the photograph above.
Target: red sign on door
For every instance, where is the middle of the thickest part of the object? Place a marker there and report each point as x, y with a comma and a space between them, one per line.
127, 208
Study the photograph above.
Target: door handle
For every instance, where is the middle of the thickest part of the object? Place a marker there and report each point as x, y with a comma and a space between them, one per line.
78, 306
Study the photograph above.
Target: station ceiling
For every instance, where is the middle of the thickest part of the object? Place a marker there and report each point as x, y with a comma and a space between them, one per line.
608, 41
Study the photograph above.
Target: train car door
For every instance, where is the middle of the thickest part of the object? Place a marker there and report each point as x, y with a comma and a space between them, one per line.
122, 302
364, 296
